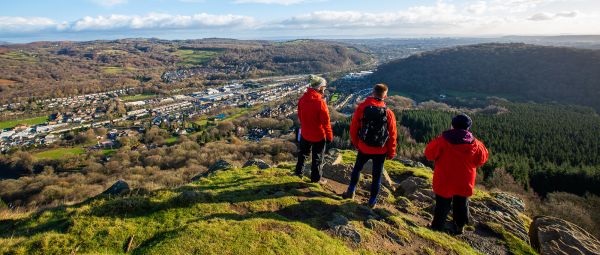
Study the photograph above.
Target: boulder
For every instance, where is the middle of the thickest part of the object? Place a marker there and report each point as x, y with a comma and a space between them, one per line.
258, 163
553, 236
117, 188
217, 166
340, 226
418, 190
514, 202
496, 211
342, 173
408, 162
220, 165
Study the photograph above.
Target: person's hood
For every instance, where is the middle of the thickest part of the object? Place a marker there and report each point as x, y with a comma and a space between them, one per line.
375, 101
312, 94
458, 136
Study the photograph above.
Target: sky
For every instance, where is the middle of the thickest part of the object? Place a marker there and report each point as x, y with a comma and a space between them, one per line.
33, 20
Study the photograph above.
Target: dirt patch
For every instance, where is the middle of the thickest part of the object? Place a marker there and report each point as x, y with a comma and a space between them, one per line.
6, 82
275, 226
239, 208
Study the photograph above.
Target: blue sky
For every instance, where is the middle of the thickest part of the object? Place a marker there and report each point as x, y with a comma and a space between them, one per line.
29, 20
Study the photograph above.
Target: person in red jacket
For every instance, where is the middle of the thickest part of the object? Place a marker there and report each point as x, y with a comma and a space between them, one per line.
373, 133
457, 154
315, 128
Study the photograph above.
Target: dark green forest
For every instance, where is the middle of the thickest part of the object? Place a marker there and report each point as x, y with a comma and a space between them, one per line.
519, 72
545, 147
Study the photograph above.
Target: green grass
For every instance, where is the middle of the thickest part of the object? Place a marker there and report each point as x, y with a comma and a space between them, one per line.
171, 140
18, 56
237, 211
445, 240
116, 69
196, 57
59, 153
515, 245
233, 211
335, 97
138, 97
109, 152
30, 121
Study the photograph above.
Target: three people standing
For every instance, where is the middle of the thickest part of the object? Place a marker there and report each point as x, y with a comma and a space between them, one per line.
456, 152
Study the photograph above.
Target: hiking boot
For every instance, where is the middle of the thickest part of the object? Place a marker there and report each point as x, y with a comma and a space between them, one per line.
372, 203
348, 195
456, 230
322, 181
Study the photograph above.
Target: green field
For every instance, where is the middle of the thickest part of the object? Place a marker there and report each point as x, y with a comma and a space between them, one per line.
335, 97
30, 121
138, 97
116, 69
59, 153
19, 56
196, 57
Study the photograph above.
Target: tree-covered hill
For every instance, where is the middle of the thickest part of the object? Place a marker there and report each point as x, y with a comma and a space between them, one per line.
515, 71
58, 69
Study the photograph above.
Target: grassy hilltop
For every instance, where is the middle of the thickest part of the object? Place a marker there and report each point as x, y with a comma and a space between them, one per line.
237, 211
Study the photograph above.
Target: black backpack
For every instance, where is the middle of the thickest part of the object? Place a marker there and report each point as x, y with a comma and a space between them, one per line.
373, 130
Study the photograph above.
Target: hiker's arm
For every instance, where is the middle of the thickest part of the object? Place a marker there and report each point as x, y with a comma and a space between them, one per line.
355, 126
326, 122
392, 135
432, 151
482, 155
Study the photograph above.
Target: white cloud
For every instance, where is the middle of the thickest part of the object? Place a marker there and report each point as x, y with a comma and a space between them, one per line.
550, 16
280, 2
477, 8
152, 21
109, 3
440, 13
25, 24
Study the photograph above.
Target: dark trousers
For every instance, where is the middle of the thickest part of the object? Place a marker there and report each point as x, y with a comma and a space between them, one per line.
318, 149
361, 160
460, 211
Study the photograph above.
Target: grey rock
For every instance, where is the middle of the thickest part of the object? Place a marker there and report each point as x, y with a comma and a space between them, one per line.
258, 163
340, 226
494, 210
515, 202
118, 188
553, 236
417, 190
217, 166
220, 165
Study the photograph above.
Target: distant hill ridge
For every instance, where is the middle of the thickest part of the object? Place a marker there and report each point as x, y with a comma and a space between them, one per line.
517, 71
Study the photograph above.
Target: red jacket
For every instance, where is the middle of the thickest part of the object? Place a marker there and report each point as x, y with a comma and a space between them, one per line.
390, 146
455, 166
314, 117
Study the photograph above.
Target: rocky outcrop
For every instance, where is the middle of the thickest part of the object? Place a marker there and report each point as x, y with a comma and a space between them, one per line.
258, 163
220, 165
553, 236
418, 191
340, 226
408, 162
217, 166
493, 210
117, 188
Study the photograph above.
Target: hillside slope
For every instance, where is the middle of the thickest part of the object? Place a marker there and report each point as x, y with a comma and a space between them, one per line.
516, 71
253, 211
